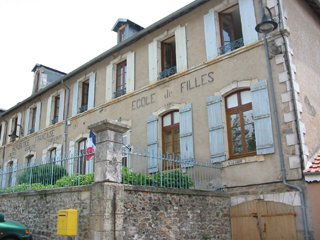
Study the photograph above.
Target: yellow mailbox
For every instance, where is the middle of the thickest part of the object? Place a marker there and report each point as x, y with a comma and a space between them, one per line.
67, 222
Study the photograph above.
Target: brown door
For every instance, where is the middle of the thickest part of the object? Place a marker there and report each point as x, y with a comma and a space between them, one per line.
261, 220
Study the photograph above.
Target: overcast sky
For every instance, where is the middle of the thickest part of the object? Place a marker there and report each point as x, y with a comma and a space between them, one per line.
62, 34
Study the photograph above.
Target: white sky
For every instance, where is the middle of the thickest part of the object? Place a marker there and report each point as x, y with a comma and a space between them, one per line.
62, 34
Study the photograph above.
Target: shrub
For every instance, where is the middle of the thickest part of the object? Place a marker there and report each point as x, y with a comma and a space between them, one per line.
68, 181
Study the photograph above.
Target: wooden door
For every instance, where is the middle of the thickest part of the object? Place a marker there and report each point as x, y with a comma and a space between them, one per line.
261, 220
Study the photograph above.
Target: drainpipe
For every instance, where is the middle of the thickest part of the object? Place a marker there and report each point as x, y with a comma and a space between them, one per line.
277, 125
5, 143
66, 112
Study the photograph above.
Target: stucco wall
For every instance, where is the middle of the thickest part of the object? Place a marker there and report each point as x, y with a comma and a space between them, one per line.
313, 193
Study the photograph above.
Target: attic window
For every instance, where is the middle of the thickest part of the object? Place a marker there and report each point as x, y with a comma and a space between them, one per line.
121, 33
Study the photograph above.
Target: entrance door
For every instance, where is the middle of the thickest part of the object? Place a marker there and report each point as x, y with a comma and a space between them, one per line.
261, 220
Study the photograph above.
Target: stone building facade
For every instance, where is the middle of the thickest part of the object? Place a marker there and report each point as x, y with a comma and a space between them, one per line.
198, 85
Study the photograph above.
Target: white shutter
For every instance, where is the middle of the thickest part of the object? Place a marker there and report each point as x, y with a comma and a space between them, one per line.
216, 139
92, 87
153, 61
61, 105
130, 73
262, 118
19, 115
210, 35
44, 156
89, 163
33, 160
38, 115
152, 142
109, 80
71, 158
48, 115
3, 126
186, 136
75, 98
248, 21
26, 123
181, 49
14, 172
1, 178
58, 154
10, 130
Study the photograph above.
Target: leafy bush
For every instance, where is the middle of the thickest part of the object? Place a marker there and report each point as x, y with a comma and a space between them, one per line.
68, 181
46, 174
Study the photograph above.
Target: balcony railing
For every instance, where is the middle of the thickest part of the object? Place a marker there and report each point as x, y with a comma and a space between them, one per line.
168, 72
231, 46
119, 92
31, 130
83, 108
54, 120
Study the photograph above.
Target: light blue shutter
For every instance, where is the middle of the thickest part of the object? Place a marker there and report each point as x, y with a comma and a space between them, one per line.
48, 115
181, 48
19, 116
186, 136
75, 98
58, 154
262, 118
130, 73
153, 61
216, 139
248, 21
152, 142
2, 137
44, 156
92, 87
71, 158
14, 172
26, 123
210, 35
109, 80
61, 106
38, 115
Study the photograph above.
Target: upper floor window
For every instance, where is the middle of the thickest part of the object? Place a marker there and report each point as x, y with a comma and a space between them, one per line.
84, 96
168, 57
14, 129
241, 131
121, 79
121, 33
32, 122
55, 108
32, 119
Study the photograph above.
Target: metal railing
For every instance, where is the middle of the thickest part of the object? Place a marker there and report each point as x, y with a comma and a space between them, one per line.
168, 72
119, 92
231, 46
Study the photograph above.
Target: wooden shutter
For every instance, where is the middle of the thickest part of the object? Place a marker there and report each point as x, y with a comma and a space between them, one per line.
75, 98
61, 105
216, 138
248, 21
210, 35
153, 61
152, 143
262, 118
38, 116
26, 123
186, 136
181, 49
92, 87
130, 73
109, 80
71, 159
48, 115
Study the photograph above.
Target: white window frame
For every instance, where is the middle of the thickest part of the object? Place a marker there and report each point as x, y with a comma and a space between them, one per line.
51, 105
27, 123
18, 128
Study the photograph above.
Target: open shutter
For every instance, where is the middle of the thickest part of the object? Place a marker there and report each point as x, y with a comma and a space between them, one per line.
26, 123
14, 172
126, 148
58, 154
210, 35
44, 156
92, 87
19, 116
248, 21
75, 98
48, 115
109, 80
9, 130
181, 48
262, 118
3, 126
38, 115
153, 61
186, 136
216, 139
130, 73
71, 158
61, 106
152, 142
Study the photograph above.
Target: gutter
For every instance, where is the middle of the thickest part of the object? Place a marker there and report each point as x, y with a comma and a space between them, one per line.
66, 113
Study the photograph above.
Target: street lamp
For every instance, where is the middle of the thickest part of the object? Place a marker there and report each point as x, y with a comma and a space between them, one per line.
267, 24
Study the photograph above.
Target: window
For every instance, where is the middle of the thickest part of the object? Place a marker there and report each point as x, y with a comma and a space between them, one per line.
241, 131
121, 79
56, 106
230, 29
84, 96
121, 33
52, 155
168, 57
32, 123
82, 146
29, 160
14, 129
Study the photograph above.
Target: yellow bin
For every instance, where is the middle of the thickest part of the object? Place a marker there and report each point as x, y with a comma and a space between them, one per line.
67, 222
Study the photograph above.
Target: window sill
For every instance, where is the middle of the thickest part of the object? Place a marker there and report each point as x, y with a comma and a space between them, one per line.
243, 160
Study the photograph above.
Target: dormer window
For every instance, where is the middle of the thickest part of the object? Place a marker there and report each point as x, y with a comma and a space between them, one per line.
125, 29
121, 34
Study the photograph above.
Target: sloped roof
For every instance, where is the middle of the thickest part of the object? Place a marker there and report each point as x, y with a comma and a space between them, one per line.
312, 172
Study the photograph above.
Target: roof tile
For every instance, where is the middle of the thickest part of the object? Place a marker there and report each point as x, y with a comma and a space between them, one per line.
314, 168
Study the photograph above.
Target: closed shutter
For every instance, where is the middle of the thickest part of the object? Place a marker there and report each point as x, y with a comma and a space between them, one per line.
92, 87
58, 154
61, 105
44, 156
75, 98
71, 158
14, 172
38, 116
109, 80
262, 118
181, 48
210, 35
248, 21
186, 136
26, 123
153, 61
48, 115
152, 142
216, 138
130, 72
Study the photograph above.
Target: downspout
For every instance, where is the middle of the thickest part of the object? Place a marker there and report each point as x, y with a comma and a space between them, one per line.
66, 112
5, 142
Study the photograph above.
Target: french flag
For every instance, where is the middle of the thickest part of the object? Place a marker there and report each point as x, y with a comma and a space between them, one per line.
91, 146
